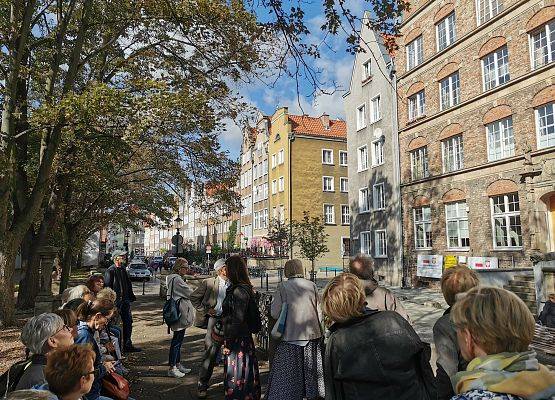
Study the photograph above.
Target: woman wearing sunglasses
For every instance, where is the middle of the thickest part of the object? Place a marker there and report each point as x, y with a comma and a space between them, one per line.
93, 316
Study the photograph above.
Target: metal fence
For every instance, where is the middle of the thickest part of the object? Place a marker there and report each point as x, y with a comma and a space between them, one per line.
263, 337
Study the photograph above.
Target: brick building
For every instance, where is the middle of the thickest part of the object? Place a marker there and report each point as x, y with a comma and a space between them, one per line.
476, 91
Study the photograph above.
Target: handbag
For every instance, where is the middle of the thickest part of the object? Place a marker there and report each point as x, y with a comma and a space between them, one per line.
170, 312
279, 327
115, 386
217, 333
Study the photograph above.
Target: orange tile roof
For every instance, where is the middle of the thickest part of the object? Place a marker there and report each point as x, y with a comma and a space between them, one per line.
312, 126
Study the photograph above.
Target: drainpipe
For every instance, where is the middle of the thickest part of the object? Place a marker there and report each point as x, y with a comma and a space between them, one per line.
290, 142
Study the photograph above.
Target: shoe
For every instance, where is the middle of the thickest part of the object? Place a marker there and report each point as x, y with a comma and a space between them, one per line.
132, 349
201, 394
174, 372
183, 369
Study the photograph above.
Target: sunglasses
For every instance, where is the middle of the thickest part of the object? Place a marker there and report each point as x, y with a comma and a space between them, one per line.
95, 373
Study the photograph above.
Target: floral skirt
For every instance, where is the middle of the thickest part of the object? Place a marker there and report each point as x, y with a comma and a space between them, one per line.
241, 376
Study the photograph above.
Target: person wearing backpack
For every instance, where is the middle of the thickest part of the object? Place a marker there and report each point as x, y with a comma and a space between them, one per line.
180, 292
240, 319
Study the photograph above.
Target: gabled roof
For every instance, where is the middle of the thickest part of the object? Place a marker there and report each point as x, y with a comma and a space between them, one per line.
313, 126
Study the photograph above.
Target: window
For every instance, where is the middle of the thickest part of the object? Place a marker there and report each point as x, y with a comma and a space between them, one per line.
327, 183
422, 227
445, 32
417, 105
456, 218
377, 153
265, 190
281, 184
380, 243
414, 53
365, 242
343, 158
542, 45
495, 67
363, 200
452, 150
375, 109
362, 158
329, 214
344, 185
265, 218
419, 163
361, 117
345, 215
274, 186
282, 213
545, 126
450, 91
281, 157
501, 141
265, 167
505, 215
273, 160
487, 9
379, 196
366, 70
327, 156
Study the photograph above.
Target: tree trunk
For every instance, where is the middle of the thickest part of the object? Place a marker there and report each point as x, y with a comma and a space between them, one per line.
8, 251
29, 282
67, 260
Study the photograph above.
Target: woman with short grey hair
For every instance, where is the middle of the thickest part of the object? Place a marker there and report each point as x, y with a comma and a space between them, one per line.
297, 369
41, 335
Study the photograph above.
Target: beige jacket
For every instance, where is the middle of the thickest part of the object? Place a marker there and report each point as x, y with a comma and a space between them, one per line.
380, 298
205, 296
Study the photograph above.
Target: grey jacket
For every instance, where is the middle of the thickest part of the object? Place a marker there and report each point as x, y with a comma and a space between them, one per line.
205, 296
303, 312
180, 291
380, 298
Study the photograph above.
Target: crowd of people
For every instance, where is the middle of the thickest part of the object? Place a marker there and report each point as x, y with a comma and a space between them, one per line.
355, 341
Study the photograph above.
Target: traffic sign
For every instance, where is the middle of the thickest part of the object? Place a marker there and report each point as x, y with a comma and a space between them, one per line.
208, 249
177, 239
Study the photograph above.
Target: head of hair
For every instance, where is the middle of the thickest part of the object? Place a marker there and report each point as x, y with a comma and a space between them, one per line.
30, 394
343, 298
38, 330
458, 279
65, 368
497, 319
293, 267
73, 304
78, 292
361, 266
89, 309
551, 297
92, 281
179, 263
65, 295
107, 294
237, 270
69, 316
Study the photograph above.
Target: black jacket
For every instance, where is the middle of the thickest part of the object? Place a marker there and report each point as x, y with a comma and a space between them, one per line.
117, 278
547, 316
234, 311
377, 356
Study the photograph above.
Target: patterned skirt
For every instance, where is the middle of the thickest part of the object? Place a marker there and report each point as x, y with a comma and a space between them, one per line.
297, 372
241, 376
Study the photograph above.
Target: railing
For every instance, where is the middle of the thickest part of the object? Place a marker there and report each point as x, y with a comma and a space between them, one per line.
263, 337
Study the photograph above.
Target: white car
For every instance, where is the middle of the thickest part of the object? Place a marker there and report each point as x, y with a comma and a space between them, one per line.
139, 271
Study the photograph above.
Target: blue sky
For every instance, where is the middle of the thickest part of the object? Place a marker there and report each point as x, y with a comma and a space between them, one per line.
335, 63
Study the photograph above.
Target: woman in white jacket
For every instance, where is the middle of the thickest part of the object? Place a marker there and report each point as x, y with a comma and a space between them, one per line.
180, 292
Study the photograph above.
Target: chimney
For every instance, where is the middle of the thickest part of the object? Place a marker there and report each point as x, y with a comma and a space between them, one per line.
325, 119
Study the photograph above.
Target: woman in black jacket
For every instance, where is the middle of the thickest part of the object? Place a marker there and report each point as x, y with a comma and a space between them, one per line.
240, 319
371, 354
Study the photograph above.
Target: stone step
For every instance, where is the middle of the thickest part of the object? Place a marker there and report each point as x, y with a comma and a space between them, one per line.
524, 295
524, 278
528, 284
520, 289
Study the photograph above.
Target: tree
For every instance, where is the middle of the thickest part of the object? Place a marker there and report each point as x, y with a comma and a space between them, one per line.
311, 237
231, 236
279, 236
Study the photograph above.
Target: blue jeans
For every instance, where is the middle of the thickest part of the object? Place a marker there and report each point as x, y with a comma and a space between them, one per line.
175, 347
124, 308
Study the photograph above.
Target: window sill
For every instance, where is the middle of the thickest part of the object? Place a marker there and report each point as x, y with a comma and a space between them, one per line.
362, 170
330, 223
343, 224
328, 191
343, 165
458, 249
325, 163
381, 257
379, 209
423, 248
343, 191
378, 120
366, 80
365, 212
361, 128
377, 165
508, 248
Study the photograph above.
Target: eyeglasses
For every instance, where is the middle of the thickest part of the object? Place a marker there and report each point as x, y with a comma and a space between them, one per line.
95, 373
67, 328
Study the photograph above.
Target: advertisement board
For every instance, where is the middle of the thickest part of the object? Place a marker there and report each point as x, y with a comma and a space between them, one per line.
429, 266
450, 261
483, 262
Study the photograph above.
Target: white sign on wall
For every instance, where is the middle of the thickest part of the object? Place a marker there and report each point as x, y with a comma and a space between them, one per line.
429, 266
483, 262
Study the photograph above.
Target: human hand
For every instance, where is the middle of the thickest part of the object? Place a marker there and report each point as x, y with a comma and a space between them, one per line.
212, 312
109, 365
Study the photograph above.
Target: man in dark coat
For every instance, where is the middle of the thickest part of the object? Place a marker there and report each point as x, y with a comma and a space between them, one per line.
116, 277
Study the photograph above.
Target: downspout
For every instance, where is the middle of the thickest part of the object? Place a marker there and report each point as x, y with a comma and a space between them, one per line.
290, 142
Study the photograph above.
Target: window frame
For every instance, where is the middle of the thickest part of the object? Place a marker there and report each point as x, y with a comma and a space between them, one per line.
281, 157
366, 72
274, 186
274, 160
377, 97
478, 16
376, 245
368, 207
341, 180
458, 158
361, 124
506, 215
425, 164
359, 164
551, 51
281, 184
448, 32
453, 94
375, 199
502, 139
423, 223
346, 153
332, 214
416, 52
369, 249
330, 179
496, 59
457, 219
414, 111
381, 143
537, 120
342, 207
324, 162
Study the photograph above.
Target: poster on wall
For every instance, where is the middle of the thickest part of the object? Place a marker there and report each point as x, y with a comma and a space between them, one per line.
429, 266
483, 262
450, 261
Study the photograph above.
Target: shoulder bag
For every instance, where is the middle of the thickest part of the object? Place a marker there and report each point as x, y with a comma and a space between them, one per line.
115, 386
279, 327
171, 313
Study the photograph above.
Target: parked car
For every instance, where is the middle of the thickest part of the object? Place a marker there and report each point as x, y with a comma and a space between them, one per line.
138, 271
156, 263
172, 261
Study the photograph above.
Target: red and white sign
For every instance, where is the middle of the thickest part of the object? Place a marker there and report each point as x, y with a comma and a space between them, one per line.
208, 249
429, 266
483, 262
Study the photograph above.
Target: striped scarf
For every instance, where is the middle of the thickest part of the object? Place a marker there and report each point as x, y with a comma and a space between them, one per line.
519, 374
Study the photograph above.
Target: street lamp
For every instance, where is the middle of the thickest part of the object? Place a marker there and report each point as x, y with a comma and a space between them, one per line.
178, 239
126, 246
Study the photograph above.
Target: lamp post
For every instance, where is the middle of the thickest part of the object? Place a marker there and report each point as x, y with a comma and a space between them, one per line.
178, 239
126, 246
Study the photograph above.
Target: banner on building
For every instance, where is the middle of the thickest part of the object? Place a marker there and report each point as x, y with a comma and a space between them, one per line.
429, 266
483, 262
450, 261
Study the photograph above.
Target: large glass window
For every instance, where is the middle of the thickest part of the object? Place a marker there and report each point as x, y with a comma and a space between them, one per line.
488, 9
375, 109
329, 214
343, 158
452, 150
419, 163
380, 243
327, 183
377, 153
496, 68
422, 227
505, 214
365, 245
445, 31
501, 141
362, 158
414, 53
343, 185
366, 70
345, 214
450, 91
545, 126
417, 105
542, 45
361, 117
363, 200
456, 217
327, 156
379, 196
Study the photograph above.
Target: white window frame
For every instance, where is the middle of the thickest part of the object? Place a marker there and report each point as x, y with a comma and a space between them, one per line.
343, 181
376, 206
424, 223
498, 8
274, 186
417, 105
361, 123
375, 108
450, 31
549, 137
506, 215
548, 29
360, 167
497, 58
506, 134
378, 159
281, 213
367, 69
457, 219
365, 249
281, 184
458, 153
281, 157
425, 166
326, 215
454, 92
377, 245
346, 154
330, 152
417, 47
331, 181
367, 209
343, 215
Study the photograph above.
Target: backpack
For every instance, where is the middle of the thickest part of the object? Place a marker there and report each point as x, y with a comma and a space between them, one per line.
170, 312
253, 313
10, 378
